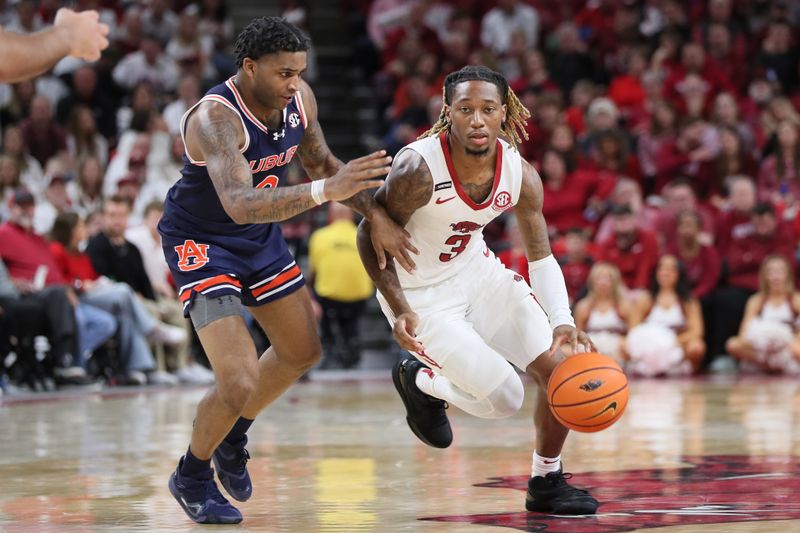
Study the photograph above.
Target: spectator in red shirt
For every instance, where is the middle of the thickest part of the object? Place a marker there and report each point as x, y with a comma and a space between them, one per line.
701, 261
626, 89
611, 160
535, 76
729, 58
779, 176
576, 263
726, 114
632, 250
691, 155
43, 137
581, 97
735, 221
652, 142
136, 323
38, 282
693, 86
514, 257
743, 260
628, 192
681, 197
732, 160
545, 118
566, 193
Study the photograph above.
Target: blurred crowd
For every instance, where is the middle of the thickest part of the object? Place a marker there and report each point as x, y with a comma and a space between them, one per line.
666, 136
665, 132
87, 154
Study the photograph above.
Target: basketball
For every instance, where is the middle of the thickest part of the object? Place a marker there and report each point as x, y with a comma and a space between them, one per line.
587, 392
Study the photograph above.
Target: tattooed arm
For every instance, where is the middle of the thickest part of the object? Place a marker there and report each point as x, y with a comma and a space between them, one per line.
319, 162
408, 187
547, 280
531, 221
214, 134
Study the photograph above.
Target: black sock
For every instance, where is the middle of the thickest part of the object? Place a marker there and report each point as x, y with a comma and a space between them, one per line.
238, 430
193, 466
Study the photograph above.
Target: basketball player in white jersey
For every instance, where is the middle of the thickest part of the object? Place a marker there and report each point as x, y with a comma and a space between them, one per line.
461, 312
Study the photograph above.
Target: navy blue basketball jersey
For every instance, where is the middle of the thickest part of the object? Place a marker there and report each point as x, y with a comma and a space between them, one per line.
192, 204
207, 252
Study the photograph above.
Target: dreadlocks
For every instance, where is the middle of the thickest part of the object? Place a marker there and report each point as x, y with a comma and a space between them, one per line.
517, 115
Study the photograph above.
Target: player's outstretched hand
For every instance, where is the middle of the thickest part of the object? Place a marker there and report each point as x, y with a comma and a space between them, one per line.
87, 35
357, 175
572, 338
405, 332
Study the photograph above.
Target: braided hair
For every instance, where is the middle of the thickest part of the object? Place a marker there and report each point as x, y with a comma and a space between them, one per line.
517, 115
268, 35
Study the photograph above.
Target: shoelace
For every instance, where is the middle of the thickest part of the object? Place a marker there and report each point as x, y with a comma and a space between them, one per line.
244, 456
561, 481
213, 493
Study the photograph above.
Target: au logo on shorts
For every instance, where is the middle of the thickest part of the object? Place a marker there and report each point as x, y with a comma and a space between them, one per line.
191, 255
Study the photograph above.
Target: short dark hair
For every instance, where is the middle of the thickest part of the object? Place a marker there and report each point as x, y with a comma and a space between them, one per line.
268, 35
763, 208
119, 200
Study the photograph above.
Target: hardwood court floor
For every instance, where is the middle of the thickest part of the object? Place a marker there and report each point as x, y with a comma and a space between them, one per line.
688, 456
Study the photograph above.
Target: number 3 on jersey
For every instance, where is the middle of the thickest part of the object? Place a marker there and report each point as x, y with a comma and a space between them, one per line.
458, 243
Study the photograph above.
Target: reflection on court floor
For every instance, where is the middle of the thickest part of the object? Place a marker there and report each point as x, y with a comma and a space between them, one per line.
695, 455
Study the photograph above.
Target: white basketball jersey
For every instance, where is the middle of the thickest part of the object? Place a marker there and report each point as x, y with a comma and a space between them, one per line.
448, 230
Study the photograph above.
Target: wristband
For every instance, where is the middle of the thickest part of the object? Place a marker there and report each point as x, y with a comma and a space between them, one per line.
547, 282
318, 191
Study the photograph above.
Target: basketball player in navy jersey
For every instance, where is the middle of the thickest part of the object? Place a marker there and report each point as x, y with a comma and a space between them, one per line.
462, 314
226, 251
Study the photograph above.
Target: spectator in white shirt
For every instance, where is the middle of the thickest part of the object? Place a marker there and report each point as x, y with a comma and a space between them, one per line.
502, 22
148, 64
188, 95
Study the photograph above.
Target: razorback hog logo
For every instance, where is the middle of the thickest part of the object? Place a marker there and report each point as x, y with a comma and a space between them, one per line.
277, 160
502, 201
466, 227
191, 255
715, 489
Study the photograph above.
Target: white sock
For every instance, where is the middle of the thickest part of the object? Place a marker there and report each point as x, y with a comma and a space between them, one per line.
541, 466
440, 387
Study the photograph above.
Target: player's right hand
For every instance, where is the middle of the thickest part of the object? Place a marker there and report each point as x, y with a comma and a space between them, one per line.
405, 332
357, 175
87, 35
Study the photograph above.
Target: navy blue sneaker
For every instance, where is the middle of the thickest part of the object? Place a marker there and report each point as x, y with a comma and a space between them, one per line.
201, 499
230, 461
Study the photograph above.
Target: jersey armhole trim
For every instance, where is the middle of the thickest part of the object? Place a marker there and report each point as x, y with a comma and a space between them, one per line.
299, 100
220, 100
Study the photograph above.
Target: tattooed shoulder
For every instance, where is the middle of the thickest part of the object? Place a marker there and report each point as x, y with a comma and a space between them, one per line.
408, 186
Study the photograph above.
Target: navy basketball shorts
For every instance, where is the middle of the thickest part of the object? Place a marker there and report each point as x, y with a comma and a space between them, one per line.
256, 273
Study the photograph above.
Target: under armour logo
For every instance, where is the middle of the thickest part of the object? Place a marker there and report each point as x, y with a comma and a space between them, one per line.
278, 135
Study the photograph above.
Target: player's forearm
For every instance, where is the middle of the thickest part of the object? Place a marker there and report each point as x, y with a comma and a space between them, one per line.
386, 279
363, 203
260, 206
26, 56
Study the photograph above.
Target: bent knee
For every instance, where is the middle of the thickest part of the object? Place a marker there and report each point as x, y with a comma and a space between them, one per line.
303, 358
507, 399
236, 392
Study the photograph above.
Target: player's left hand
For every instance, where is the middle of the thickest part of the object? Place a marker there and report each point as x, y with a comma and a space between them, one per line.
389, 238
572, 338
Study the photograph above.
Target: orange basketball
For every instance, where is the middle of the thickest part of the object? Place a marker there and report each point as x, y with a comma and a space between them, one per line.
587, 392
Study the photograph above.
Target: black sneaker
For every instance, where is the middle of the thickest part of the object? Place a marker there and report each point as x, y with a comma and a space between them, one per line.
200, 498
230, 461
552, 494
425, 414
